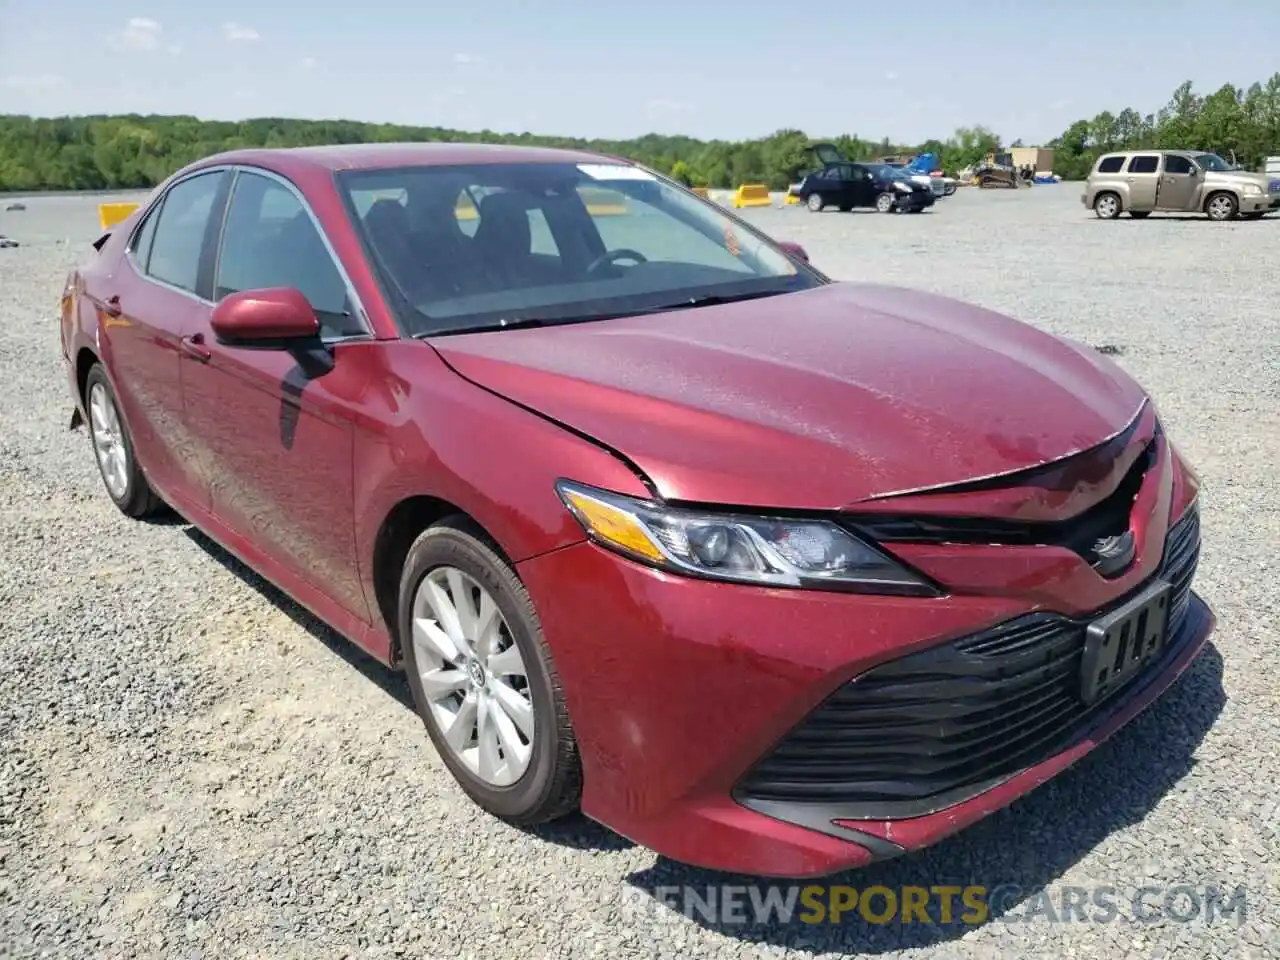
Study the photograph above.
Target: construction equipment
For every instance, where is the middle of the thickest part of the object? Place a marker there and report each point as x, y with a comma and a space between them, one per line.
997, 171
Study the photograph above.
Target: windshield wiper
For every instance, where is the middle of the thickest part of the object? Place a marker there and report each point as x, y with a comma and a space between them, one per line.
714, 299
517, 324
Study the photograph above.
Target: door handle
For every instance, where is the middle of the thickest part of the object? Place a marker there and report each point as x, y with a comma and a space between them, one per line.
111, 306
194, 347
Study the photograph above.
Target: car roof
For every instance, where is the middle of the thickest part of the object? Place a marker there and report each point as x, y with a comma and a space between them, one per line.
381, 156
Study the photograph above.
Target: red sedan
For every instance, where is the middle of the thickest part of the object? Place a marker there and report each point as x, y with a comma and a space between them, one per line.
766, 572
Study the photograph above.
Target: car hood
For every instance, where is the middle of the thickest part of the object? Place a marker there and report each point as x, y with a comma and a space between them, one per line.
1238, 176
811, 400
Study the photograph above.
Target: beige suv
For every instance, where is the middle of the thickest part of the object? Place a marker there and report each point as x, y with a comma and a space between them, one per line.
1184, 181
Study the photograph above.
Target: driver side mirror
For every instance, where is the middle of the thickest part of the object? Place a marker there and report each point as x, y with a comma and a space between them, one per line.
794, 249
276, 318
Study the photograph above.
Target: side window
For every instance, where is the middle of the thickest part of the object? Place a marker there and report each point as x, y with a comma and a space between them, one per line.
1110, 164
269, 240
178, 236
1175, 164
140, 245
1145, 163
541, 240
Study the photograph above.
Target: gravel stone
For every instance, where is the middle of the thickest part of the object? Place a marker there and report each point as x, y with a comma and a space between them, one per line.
190, 766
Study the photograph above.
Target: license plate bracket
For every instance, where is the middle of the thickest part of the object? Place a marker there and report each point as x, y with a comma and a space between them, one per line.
1119, 644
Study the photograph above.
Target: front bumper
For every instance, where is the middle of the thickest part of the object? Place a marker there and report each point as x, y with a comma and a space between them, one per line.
684, 692
1252, 203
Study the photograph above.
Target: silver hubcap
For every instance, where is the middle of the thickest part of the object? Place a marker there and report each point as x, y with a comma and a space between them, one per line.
1107, 206
108, 441
472, 675
1220, 207
815, 202
884, 203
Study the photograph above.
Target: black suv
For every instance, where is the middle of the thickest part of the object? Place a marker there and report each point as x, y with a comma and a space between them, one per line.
845, 184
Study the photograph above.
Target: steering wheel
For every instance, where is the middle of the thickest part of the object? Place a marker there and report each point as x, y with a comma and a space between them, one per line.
610, 256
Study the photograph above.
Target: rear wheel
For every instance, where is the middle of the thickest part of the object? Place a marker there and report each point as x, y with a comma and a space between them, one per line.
886, 202
1106, 206
816, 203
482, 677
1221, 206
113, 450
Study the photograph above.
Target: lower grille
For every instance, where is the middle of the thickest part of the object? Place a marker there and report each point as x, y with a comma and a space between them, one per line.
920, 733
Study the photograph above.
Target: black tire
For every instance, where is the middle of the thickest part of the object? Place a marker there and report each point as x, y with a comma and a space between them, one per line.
551, 786
1139, 214
137, 500
1107, 206
1221, 205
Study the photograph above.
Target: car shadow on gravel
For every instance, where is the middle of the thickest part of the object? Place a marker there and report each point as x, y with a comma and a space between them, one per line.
1016, 852
391, 682
576, 832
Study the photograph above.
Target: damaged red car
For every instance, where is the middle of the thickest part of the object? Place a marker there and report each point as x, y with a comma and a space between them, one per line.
766, 572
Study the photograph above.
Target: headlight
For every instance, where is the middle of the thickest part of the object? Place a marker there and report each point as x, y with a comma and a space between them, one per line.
904, 187
770, 551
1252, 190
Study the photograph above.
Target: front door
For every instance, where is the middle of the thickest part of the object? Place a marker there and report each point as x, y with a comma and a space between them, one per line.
278, 423
1178, 182
861, 186
1142, 176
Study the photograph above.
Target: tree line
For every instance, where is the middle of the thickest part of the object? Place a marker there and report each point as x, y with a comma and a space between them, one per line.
135, 151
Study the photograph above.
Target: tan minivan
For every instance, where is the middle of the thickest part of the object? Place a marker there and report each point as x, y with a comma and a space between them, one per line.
1140, 182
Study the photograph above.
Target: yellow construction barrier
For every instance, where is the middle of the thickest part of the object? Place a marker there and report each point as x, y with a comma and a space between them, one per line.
109, 214
789, 199
752, 195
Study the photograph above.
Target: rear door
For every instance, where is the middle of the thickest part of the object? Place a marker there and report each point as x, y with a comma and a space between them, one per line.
150, 303
1143, 175
1177, 184
279, 424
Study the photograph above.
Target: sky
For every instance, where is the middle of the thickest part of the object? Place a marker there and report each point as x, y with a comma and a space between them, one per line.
906, 70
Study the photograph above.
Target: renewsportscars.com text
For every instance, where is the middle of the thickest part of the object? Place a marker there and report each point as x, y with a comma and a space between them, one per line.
728, 905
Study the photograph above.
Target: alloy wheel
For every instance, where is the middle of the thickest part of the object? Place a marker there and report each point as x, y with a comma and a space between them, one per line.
1107, 207
473, 676
108, 441
1221, 207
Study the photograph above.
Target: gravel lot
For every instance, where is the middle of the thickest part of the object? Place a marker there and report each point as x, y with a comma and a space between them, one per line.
193, 767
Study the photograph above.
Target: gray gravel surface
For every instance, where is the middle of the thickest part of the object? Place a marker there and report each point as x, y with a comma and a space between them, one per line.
189, 766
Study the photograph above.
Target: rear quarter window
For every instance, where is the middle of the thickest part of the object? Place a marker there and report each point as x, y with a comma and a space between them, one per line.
1110, 165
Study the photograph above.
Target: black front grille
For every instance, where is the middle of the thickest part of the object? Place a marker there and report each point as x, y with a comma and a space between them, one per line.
920, 733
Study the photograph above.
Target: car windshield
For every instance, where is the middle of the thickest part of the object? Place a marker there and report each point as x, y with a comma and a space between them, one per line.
483, 246
1211, 161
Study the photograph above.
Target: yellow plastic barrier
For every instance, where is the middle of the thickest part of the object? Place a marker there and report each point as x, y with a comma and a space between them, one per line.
752, 195
789, 199
109, 214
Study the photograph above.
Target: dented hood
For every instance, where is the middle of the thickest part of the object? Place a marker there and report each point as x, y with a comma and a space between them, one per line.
814, 400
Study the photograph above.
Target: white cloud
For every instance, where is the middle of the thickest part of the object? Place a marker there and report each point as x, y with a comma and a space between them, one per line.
41, 81
235, 33
140, 33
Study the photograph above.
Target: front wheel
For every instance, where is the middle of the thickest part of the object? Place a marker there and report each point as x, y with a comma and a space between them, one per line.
113, 449
482, 677
886, 202
1221, 206
949, 189
1106, 206
815, 203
